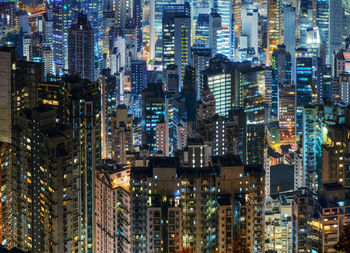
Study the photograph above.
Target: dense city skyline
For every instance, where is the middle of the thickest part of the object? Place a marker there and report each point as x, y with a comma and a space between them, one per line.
202, 126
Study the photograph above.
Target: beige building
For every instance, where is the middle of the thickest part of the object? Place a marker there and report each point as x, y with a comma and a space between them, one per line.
112, 202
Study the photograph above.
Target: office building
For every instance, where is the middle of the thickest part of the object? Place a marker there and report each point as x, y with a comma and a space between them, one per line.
176, 28
322, 22
281, 66
218, 78
225, 41
202, 31
312, 151
200, 61
248, 44
153, 111
304, 84
214, 28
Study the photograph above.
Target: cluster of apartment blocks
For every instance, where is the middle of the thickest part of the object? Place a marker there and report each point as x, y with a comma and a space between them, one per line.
217, 208
171, 208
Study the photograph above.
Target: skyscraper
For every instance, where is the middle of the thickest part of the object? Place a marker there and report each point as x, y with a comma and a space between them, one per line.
304, 84
218, 78
35, 177
176, 28
201, 36
153, 111
6, 61
156, 17
281, 74
85, 108
214, 28
94, 12
62, 18
81, 58
200, 61
225, 41
274, 28
254, 83
287, 114
249, 37
322, 22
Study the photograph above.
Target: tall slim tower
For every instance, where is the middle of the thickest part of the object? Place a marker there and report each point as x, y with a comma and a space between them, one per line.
225, 40
81, 48
274, 28
281, 74
214, 28
62, 16
177, 37
156, 16
94, 11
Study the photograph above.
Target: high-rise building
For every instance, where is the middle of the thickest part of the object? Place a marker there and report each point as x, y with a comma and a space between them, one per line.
335, 160
281, 66
219, 79
94, 12
7, 57
189, 94
200, 61
37, 175
112, 201
332, 218
225, 41
86, 121
153, 111
122, 135
81, 58
200, 10
189, 199
307, 235
109, 95
304, 84
195, 154
305, 19
162, 138
138, 76
324, 83
337, 24
274, 28
18, 89
176, 28
62, 17
8, 15
156, 16
248, 42
287, 115
201, 38
214, 28
289, 28
254, 83
279, 223
322, 22
225, 134
138, 17
312, 150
